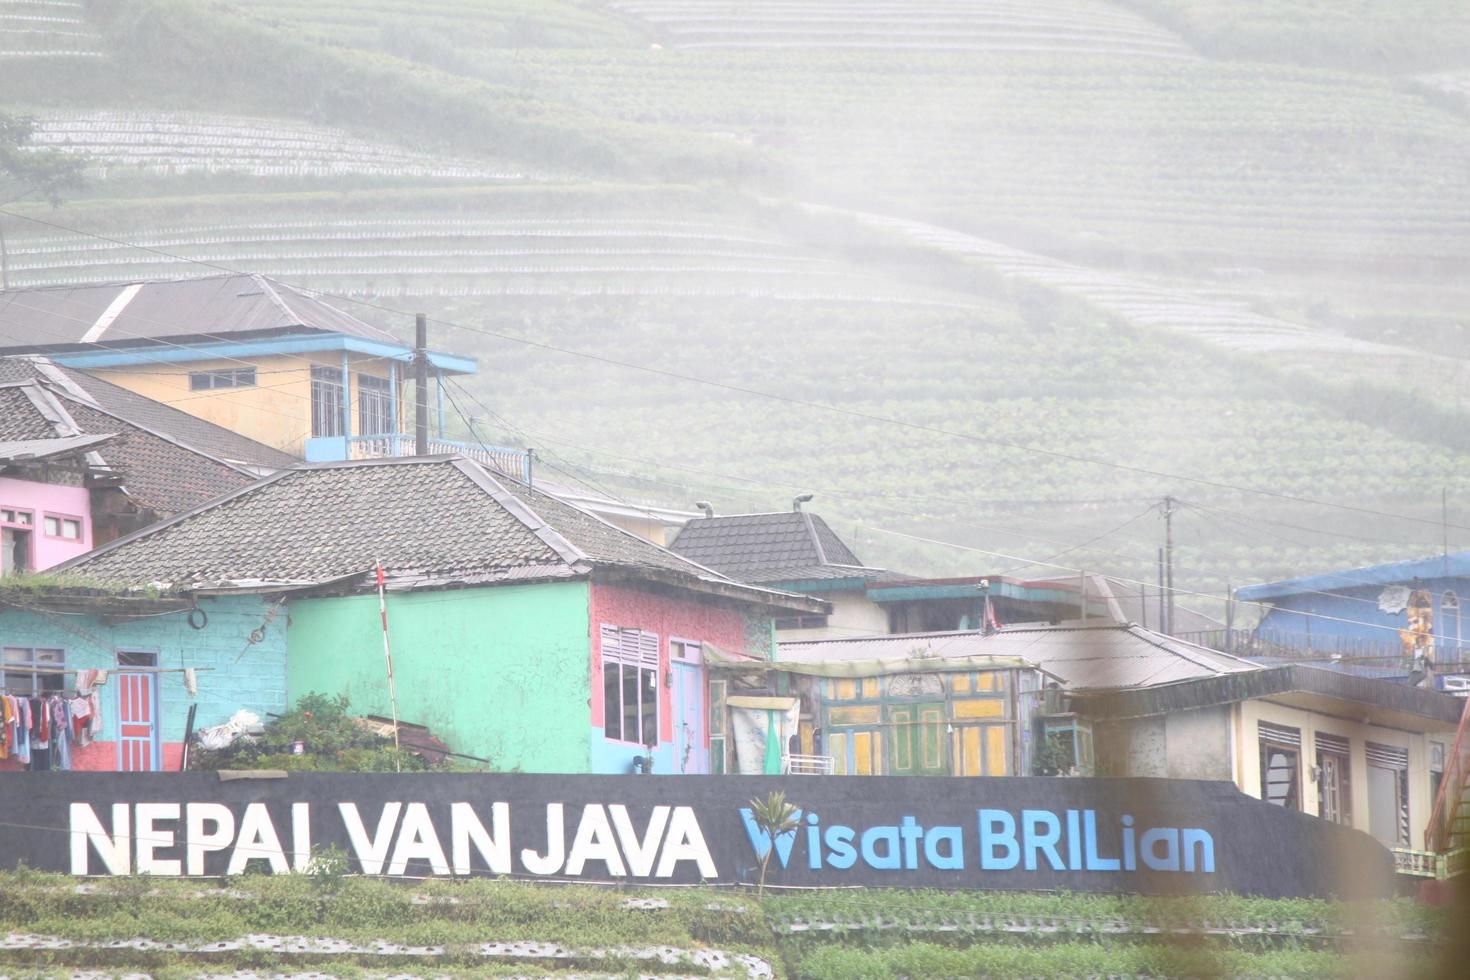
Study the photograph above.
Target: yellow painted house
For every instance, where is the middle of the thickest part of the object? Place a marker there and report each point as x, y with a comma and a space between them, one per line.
256, 356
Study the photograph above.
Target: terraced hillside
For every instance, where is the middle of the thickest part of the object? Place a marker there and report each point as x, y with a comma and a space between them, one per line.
1173, 236
47, 29
1070, 26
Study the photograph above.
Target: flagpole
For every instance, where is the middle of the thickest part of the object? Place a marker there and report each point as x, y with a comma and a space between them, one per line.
388, 659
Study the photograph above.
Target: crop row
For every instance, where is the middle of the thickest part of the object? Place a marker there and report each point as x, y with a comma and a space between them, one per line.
181, 143
1058, 25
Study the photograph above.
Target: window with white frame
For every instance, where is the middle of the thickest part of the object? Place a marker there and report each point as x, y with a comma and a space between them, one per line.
327, 398
630, 685
1388, 793
374, 405
222, 378
34, 670
16, 527
66, 528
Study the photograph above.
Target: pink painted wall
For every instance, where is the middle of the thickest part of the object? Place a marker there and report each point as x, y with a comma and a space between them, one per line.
693, 619
48, 498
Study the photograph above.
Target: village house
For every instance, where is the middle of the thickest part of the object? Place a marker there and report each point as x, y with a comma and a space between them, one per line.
256, 356
1393, 619
523, 630
797, 551
78, 471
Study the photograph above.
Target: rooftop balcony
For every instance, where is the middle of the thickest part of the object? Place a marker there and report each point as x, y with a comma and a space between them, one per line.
515, 463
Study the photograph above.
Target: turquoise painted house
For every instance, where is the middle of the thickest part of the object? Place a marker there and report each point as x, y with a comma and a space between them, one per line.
524, 631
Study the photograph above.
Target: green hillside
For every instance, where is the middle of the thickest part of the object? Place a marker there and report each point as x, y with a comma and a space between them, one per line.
1219, 241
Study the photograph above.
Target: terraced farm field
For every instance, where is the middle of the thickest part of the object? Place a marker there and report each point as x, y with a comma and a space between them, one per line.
185, 143
1178, 236
1063, 26
47, 29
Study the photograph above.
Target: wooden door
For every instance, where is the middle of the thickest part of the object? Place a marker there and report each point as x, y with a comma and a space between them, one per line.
917, 743
137, 721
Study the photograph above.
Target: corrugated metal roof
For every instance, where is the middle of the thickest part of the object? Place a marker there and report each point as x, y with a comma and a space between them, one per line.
133, 313
1401, 700
1084, 657
1456, 565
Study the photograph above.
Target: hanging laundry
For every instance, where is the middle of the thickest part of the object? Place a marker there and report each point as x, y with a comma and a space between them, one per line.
191, 681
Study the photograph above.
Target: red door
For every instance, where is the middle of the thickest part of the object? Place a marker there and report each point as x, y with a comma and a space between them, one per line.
137, 721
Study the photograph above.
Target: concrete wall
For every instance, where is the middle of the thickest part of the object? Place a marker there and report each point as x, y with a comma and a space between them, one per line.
696, 619
237, 675
277, 411
1184, 745
498, 672
42, 499
852, 615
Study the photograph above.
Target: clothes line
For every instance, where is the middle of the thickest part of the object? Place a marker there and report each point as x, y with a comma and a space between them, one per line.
25, 669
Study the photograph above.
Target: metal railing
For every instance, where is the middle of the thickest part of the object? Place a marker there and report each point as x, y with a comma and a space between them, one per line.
1429, 864
514, 463
808, 765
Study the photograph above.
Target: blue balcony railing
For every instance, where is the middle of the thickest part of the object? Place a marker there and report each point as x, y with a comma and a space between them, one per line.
515, 463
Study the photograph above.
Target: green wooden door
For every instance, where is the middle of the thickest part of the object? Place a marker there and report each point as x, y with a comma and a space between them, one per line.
916, 747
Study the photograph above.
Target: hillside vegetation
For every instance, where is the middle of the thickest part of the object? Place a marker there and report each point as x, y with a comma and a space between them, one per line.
1216, 240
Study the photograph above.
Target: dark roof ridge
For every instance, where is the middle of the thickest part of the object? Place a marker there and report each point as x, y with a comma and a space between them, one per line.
719, 576
513, 505
811, 530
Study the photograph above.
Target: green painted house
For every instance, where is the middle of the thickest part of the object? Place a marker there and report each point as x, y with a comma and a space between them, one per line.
523, 630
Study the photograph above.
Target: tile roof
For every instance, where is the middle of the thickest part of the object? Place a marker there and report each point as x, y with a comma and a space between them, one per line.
128, 314
147, 413
20, 419
1083, 657
27, 450
156, 472
784, 546
432, 521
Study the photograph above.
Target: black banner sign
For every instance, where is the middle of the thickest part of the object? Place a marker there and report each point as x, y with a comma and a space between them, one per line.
1150, 836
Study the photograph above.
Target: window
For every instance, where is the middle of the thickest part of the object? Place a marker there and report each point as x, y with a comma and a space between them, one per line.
374, 405
1334, 787
630, 685
801, 622
1281, 765
326, 402
1388, 794
68, 528
32, 670
223, 378
15, 540
685, 652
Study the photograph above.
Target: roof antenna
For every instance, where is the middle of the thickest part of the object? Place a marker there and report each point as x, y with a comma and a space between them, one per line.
706, 506
797, 501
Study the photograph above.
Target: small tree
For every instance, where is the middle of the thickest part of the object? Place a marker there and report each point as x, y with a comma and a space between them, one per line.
26, 169
775, 818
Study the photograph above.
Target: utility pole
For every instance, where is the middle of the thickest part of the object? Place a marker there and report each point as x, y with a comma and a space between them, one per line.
421, 386
1229, 617
1169, 560
1163, 611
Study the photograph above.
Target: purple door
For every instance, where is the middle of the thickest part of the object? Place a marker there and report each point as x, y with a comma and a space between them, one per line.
691, 732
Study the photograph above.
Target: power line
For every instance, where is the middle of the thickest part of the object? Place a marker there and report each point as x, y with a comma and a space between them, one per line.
793, 400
